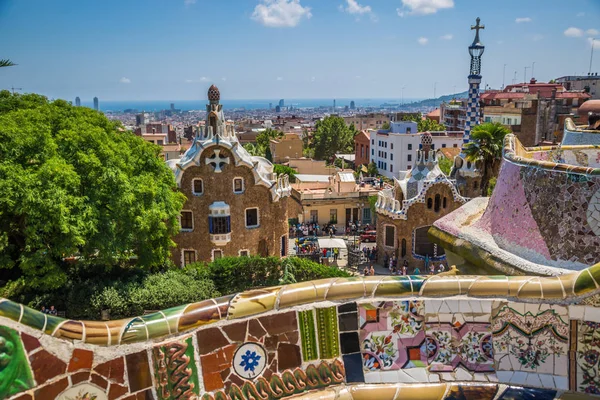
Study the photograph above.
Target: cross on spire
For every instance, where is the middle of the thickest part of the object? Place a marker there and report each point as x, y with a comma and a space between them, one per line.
477, 27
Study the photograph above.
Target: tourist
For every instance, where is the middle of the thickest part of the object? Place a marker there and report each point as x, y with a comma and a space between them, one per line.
52, 311
391, 264
44, 310
336, 253
404, 270
366, 271
441, 268
372, 271
432, 269
417, 271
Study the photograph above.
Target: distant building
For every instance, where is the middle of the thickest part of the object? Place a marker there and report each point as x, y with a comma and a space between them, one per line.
368, 121
236, 205
270, 106
96, 104
278, 108
172, 106
346, 108
393, 150
157, 133
333, 104
77, 102
142, 119
362, 145
454, 114
282, 150
352, 105
281, 103
588, 83
434, 115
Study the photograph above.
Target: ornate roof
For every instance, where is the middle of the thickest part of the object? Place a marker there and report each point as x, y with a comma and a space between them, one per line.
214, 94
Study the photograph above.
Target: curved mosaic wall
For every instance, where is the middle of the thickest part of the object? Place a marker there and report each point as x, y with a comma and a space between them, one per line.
474, 336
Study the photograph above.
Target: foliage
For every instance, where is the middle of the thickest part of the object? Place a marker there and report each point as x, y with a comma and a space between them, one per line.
253, 149
72, 183
284, 169
372, 202
386, 125
268, 154
372, 169
423, 125
485, 148
492, 186
264, 138
6, 63
445, 164
332, 136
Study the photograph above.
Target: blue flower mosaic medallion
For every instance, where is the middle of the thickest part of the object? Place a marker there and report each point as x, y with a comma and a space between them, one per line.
250, 360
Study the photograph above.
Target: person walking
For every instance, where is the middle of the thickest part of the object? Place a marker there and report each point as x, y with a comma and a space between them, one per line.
336, 253
441, 268
366, 271
372, 271
417, 271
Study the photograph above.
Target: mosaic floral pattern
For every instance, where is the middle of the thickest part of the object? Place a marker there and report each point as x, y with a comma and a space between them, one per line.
588, 357
531, 340
249, 360
392, 335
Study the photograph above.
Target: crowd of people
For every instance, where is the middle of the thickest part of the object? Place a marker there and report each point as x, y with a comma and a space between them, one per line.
370, 253
312, 229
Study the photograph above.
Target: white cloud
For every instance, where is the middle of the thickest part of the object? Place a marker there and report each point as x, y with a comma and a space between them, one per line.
355, 8
574, 32
446, 37
595, 43
592, 32
580, 14
500, 41
423, 41
357, 77
537, 37
125, 80
280, 13
202, 79
312, 78
189, 2
523, 19
423, 7
279, 78
223, 79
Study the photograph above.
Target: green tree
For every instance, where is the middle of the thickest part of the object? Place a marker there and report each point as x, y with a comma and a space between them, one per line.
284, 169
372, 169
423, 124
445, 164
268, 154
485, 148
386, 125
73, 183
253, 149
264, 138
332, 136
6, 63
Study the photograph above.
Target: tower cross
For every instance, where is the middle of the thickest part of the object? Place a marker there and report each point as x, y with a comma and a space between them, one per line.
477, 27
217, 161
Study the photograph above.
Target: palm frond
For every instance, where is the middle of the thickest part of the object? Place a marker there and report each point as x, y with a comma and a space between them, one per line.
6, 63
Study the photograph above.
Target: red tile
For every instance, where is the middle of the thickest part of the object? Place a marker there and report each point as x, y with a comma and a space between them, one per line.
45, 366
99, 381
112, 370
25, 396
81, 359
116, 391
145, 395
138, 371
51, 391
30, 342
80, 377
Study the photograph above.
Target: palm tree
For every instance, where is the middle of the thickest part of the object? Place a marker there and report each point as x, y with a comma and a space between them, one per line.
485, 148
6, 63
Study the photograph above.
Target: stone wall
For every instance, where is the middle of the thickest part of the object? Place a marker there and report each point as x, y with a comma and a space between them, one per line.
469, 335
273, 216
417, 215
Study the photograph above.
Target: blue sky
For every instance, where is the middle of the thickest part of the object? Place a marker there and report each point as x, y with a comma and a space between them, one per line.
252, 49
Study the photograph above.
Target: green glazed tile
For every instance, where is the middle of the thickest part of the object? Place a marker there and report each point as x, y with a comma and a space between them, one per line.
157, 325
329, 346
33, 318
175, 370
135, 331
15, 376
306, 321
10, 309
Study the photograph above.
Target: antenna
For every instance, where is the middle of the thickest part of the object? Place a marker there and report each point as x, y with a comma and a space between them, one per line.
591, 56
15, 88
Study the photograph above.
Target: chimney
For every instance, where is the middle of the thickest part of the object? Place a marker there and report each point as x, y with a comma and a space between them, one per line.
532, 81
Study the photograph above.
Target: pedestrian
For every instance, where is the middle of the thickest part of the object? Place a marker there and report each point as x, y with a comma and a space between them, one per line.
366, 271
336, 253
391, 264
372, 271
404, 270
417, 271
52, 311
44, 310
441, 268
432, 269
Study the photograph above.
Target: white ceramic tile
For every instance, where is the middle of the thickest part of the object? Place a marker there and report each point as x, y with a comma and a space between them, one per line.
445, 308
475, 306
592, 314
492, 377
532, 308
561, 382
373, 377
533, 380
419, 374
434, 378
445, 318
432, 306
462, 374
403, 377
447, 377
479, 377
485, 318
576, 312
504, 376
547, 381
388, 376
519, 377
464, 307
453, 306
519, 307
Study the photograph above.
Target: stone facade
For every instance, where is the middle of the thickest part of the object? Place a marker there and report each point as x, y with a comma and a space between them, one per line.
235, 204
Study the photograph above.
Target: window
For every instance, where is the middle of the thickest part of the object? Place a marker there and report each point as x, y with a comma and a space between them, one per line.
238, 185
372, 141
429, 203
314, 215
391, 156
391, 167
189, 256
244, 253
407, 130
409, 157
432, 146
422, 246
159, 142
366, 215
454, 145
390, 231
251, 217
217, 254
469, 164
403, 252
438, 200
475, 185
410, 146
444, 202
333, 215
197, 186
219, 225
187, 220
443, 145
372, 152
509, 121
392, 146
409, 167
284, 245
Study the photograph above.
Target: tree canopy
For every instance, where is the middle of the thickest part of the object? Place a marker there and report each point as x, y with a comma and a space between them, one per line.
74, 184
332, 136
424, 125
485, 148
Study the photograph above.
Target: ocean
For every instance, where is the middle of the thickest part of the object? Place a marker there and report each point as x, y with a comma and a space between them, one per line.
186, 105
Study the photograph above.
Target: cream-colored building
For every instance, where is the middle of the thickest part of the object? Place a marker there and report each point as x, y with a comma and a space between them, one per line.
333, 199
308, 166
368, 121
286, 148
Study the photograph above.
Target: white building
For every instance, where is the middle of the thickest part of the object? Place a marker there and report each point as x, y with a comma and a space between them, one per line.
394, 150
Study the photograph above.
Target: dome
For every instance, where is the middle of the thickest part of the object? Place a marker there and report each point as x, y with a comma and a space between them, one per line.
214, 94
590, 106
426, 139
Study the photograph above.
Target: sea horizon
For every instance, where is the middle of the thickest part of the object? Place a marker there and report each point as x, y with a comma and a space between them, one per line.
248, 104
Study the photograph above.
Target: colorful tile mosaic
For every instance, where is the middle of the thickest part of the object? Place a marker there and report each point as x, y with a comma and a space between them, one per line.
328, 332
588, 357
531, 337
175, 370
306, 321
83, 391
15, 374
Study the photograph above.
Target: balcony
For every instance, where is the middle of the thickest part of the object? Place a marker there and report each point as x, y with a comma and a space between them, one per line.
220, 239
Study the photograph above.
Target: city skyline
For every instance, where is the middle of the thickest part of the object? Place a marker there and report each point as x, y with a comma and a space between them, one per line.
267, 49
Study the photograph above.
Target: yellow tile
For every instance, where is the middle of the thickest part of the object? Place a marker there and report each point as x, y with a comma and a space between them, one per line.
253, 302
485, 286
421, 392
322, 286
552, 288
370, 392
296, 294
532, 289
348, 288
441, 286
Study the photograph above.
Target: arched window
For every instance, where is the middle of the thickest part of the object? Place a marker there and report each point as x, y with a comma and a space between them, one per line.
422, 246
438, 201
475, 185
469, 164
444, 202
403, 248
429, 203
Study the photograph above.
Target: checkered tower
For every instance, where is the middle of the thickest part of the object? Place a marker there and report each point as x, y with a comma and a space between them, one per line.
473, 113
